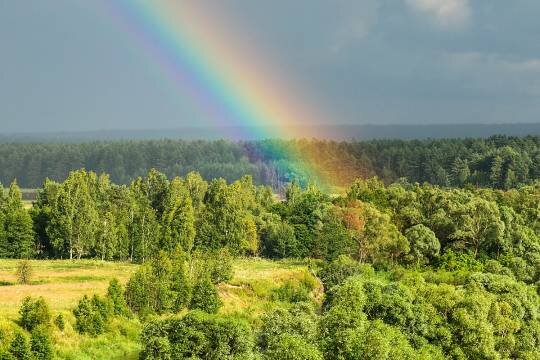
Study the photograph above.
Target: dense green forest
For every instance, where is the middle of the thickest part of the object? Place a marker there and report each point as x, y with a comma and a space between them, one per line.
499, 161
408, 270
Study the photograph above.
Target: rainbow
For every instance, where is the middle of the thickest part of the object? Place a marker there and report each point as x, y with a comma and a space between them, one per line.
226, 78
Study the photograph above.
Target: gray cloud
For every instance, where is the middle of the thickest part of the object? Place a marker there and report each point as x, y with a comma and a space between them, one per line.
68, 65
445, 14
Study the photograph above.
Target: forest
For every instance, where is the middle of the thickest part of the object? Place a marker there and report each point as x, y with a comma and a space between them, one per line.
500, 162
393, 270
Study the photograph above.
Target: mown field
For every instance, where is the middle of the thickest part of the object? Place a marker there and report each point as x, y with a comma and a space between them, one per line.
62, 283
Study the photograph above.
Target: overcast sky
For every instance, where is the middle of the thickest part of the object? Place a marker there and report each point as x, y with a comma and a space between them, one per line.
67, 65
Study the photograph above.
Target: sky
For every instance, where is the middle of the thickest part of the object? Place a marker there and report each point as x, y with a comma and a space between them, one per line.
71, 65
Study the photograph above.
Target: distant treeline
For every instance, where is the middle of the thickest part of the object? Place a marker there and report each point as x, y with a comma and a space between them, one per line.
499, 161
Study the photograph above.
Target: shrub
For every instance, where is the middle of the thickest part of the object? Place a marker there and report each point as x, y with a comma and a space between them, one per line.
148, 290
40, 344
205, 297
292, 347
59, 322
33, 313
89, 317
296, 290
337, 271
291, 291
300, 321
217, 265
115, 295
24, 271
19, 347
181, 287
197, 335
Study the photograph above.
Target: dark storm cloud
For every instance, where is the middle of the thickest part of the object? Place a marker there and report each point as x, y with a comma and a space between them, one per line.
66, 65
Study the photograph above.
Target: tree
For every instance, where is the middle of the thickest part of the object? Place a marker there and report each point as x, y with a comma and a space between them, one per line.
197, 189
197, 335
40, 344
144, 227
107, 244
88, 317
423, 242
24, 272
379, 239
74, 217
460, 171
115, 294
19, 347
291, 347
478, 225
225, 222
18, 226
278, 240
33, 313
178, 220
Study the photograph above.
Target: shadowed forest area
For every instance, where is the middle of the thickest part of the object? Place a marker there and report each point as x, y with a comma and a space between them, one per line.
500, 162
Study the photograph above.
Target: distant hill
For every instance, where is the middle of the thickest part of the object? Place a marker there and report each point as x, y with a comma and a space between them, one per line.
333, 132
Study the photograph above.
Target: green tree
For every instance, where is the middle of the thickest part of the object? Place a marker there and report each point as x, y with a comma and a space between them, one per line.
115, 294
178, 220
479, 225
74, 217
18, 226
24, 272
423, 243
40, 344
19, 347
107, 240
34, 312
144, 228
88, 317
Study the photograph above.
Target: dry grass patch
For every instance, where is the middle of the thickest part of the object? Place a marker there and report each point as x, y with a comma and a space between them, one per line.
61, 282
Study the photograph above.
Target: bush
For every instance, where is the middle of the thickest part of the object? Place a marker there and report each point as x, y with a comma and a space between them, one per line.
115, 295
148, 290
197, 335
205, 297
33, 313
24, 272
292, 347
59, 322
181, 287
40, 344
89, 317
300, 321
19, 347
217, 265
296, 290
336, 272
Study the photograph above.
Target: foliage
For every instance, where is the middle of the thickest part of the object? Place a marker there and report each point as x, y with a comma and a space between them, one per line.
24, 272
115, 295
91, 315
205, 296
19, 348
34, 312
197, 335
40, 344
60, 322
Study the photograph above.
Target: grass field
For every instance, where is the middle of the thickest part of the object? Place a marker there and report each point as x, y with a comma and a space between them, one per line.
62, 283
